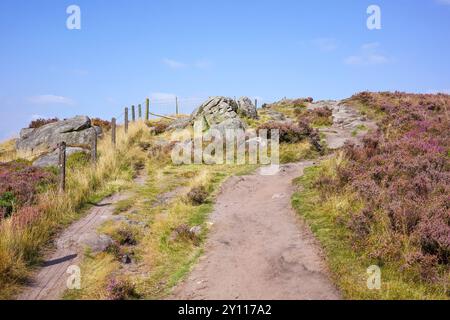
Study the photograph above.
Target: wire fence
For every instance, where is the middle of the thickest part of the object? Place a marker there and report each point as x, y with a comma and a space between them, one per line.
171, 106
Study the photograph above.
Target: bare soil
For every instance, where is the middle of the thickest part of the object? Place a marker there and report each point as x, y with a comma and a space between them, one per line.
258, 248
50, 280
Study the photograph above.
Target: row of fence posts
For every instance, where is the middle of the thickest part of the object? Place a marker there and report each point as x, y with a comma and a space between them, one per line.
63, 146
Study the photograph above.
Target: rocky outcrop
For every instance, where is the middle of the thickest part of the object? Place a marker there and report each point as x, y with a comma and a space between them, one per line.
40, 143
51, 159
246, 108
95, 242
218, 113
179, 123
275, 115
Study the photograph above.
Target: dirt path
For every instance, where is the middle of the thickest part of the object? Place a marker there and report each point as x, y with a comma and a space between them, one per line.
259, 249
50, 281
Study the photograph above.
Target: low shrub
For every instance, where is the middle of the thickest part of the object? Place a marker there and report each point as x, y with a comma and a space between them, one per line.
125, 236
104, 124
184, 233
321, 117
38, 123
289, 131
197, 195
292, 133
159, 127
120, 289
19, 185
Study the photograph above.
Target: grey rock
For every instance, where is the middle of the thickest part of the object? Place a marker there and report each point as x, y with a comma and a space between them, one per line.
52, 159
126, 259
233, 123
196, 231
275, 115
247, 108
219, 113
25, 133
180, 123
75, 132
97, 243
99, 131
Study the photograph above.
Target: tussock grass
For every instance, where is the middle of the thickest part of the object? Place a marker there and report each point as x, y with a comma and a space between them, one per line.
21, 249
8, 150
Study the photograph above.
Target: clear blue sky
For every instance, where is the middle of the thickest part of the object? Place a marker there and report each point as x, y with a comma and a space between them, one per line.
127, 50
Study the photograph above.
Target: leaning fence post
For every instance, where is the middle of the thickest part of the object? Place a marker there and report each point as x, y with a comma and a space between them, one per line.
133, 114
176, 105
62, 167
140, 111
126, 120
113, 132
94, 148
147, 109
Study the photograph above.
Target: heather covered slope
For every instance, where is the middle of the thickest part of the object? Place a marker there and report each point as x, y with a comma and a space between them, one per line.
386, 203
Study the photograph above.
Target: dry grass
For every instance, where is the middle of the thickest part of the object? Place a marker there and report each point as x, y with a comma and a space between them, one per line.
8, 151
20, 249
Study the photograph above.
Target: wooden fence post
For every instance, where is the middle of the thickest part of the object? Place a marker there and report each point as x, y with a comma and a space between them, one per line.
94, 148
176, 105
256, 103
113, 132
126, 120
62, 167
133, 114
147, 109
139, 111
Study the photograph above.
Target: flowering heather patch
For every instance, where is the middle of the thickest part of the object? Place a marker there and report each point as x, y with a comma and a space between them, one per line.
19, 185
25, 217
402, 175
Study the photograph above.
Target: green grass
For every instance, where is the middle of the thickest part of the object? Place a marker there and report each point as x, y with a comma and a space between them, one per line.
371, 113
296, 152
123, 205
347, 265
358, 129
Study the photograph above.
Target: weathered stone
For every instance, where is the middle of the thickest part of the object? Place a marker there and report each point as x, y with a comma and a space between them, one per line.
97, 243
247, 108
99, 131
126, 259
196, 231
218, 113
75, 132
52, 159
275, 115
179, 123
25, 133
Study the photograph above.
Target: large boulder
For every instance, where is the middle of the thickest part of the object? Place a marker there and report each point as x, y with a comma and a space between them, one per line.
247, 108
52, 158
75, 132
218, 113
